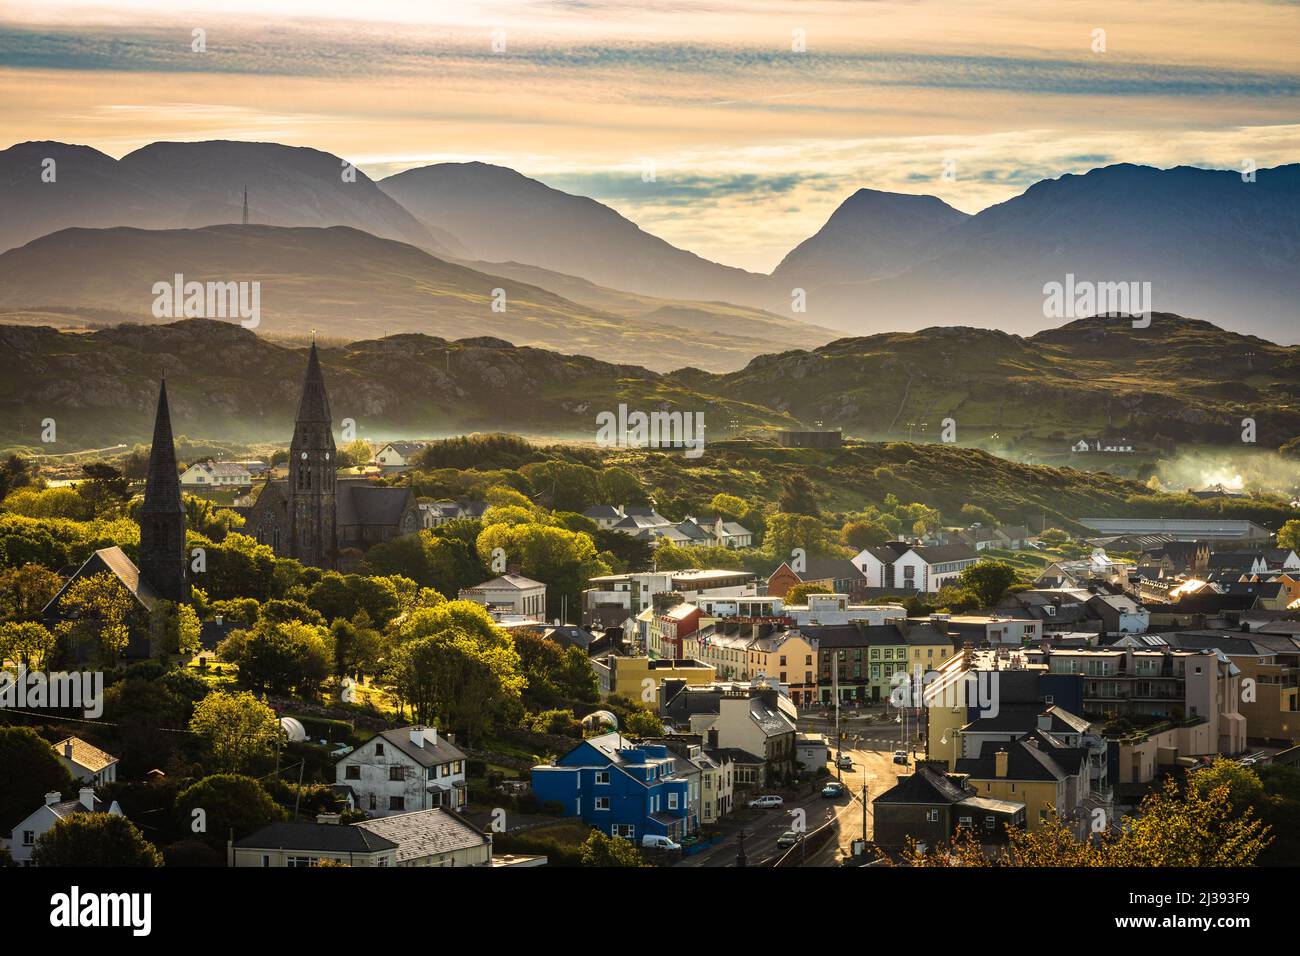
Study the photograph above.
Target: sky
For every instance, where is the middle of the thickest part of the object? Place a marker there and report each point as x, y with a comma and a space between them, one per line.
732, 128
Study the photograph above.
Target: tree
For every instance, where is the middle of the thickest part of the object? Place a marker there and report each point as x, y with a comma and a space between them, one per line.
95, 839
987, 580
785, 532
173, 629
358, 646
15, 472
641, 723
98, 610
1054, 537
238, 729
229, 802
606, 851
564, 560
103, 486
863, 534
26, 642
451, 676
1289, 535
1193, 826
285, 657
555, 674
798, 496
25, 590
799, 593
30, 769
977, 515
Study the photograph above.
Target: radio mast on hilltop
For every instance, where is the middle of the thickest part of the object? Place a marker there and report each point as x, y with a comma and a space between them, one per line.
245, 205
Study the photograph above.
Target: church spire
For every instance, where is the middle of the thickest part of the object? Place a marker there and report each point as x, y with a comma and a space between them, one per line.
162, 490
162, 516
314, 406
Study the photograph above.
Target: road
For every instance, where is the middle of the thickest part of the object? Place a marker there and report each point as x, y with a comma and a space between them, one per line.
870, 744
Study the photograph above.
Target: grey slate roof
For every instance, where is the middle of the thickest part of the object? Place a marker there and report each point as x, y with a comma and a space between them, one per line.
322, 837
422, 833
425, 756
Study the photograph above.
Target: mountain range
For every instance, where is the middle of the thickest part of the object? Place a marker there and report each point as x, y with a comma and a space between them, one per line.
341, 282
1211, 243
1177, 381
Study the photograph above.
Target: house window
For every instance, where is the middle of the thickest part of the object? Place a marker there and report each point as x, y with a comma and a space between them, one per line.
932, 816
379, 750
396, 774
301, 862
672, 801
373, 804
625, 830
352, 772
397, 803
602, 803
964, 821
602, 776
988, 823
29, 838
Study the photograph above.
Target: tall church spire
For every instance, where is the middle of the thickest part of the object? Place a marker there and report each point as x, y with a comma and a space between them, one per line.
313, 507
162, 516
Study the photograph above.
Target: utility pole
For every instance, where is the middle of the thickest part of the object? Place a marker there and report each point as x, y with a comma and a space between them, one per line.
864, 816
245, 205
835, 691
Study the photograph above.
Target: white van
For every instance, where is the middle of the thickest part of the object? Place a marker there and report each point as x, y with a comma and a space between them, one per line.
652, 841
765, 803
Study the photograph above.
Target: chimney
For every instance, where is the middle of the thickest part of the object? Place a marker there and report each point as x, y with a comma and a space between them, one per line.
52, 798
67, 749
88, 797
1044, 721
431, 736
1000, 764
331, 818
713, 739
219, 619
417, 735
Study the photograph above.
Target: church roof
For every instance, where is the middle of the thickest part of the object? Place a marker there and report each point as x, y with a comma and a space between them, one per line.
115, 562
162, 488
360, 502
314, 406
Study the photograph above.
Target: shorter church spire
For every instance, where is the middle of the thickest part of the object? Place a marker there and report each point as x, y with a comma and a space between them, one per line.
162, 490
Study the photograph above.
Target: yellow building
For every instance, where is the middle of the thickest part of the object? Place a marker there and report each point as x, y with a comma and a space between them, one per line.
639, 678
1021, 772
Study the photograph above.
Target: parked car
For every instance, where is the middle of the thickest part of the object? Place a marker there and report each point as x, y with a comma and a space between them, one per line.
900, 756
653, 841
768, 802
833, 789
787, 839
844, 762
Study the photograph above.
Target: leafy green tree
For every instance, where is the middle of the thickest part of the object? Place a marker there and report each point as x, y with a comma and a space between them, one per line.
641, 723
798, 496
30, 769
230, 803
785, 532
26, 642
864, 534
563, 560
799, 593
454, 667
358, 645
285, 657
25, 590
95, 839
238, 729
974, 514
606, 851
173, 629
987, 580
1289, 535
339, 595
98, 612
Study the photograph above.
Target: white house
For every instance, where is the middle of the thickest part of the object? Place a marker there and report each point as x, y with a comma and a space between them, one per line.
23, 839
218, 474
911, 568
434, 514
510, 594
413, 768
398, 454
86, 762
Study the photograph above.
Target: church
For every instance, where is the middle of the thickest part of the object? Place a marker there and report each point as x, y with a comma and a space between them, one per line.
162, 572
314, 515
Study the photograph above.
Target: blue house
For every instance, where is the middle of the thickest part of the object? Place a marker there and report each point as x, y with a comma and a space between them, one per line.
620, 787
